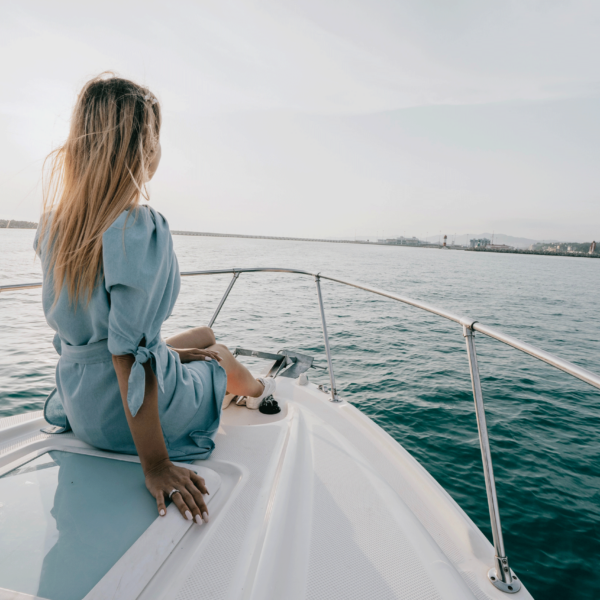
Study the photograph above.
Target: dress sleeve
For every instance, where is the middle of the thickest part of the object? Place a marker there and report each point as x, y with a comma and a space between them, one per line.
141, 277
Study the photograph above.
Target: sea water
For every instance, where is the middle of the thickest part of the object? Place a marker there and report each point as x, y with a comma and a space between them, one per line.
405, 369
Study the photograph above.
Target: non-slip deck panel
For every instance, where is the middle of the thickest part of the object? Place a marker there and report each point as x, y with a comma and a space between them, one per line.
358, 550
372, 453
21, 418
218, 566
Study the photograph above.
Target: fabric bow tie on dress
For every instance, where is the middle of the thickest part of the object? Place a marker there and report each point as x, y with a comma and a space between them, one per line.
137, 378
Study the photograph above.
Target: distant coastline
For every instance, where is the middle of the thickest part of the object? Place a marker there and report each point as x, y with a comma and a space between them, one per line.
407, 244
538, 252
12, 224
269, 237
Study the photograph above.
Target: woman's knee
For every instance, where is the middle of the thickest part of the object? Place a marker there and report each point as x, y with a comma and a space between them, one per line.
222, 349
204, 336
228, 361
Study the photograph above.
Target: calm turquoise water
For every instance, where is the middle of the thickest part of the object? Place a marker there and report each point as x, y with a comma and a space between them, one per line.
407, 370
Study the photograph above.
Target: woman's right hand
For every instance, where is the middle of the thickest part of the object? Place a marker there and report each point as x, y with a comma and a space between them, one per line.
164, 477
187, 355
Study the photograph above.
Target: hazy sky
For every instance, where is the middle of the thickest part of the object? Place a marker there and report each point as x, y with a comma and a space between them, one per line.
328, 117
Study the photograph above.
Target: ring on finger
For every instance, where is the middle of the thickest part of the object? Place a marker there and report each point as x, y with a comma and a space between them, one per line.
173, 491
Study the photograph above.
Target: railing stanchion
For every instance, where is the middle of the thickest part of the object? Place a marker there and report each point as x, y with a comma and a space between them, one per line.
500, 574
216, 314
334, 396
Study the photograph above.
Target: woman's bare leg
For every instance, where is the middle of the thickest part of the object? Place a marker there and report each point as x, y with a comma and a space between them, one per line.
197, 337
239, 380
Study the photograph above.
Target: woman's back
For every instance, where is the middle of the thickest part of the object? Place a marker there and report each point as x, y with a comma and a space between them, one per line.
111, 279
135, 294
138, 257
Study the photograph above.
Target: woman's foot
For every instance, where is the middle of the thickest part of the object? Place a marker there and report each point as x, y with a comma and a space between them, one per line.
229, 398
269, 386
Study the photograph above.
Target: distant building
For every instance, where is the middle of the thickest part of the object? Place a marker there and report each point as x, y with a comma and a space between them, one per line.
499, 247
480, 243
400, 241
592, 248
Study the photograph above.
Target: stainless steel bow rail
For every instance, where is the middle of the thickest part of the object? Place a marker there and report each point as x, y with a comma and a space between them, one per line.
500, 575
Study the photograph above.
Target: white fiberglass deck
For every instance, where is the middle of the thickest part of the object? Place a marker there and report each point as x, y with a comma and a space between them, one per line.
315, 502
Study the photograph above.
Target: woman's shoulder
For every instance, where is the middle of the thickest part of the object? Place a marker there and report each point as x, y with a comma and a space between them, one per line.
138, 238
137, 225
141, 217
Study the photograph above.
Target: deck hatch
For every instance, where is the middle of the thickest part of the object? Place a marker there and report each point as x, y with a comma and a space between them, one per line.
68, 518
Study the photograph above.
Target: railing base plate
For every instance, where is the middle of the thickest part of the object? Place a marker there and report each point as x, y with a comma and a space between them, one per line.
509, 588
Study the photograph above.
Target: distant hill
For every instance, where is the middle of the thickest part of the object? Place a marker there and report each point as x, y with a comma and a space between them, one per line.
12, 224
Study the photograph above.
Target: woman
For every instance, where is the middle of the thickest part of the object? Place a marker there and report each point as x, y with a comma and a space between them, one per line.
111, 279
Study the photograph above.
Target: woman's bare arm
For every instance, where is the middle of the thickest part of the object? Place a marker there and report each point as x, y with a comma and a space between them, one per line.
162, 475
145, 426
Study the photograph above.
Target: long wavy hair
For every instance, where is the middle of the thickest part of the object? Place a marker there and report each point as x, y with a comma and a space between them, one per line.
100, 171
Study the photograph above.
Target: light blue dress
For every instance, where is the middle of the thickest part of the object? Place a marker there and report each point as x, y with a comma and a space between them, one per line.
138, 290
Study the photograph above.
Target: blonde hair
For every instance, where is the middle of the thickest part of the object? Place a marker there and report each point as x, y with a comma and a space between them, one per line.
99, 172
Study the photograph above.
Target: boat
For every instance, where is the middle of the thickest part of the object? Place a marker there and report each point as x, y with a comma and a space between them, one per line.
316, 501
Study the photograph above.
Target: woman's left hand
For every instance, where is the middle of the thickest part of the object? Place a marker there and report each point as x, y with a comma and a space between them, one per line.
187, 355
